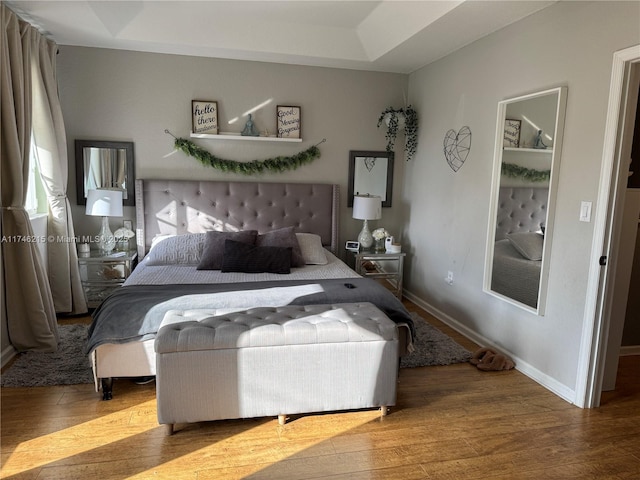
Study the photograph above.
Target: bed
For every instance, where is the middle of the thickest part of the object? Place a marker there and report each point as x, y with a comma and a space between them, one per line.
176, 221
517, 255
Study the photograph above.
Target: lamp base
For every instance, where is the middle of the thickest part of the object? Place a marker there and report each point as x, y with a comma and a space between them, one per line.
106, 240
364, 237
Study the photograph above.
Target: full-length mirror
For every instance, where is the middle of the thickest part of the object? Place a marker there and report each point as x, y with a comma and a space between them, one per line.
526, 164
101, 164
370, 173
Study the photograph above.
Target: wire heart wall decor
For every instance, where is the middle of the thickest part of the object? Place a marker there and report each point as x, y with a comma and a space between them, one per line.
369, 162
456, 147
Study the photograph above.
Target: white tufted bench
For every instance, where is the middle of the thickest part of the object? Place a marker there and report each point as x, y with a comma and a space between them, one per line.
274, 361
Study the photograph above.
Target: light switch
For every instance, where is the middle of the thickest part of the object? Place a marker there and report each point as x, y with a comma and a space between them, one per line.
585, 212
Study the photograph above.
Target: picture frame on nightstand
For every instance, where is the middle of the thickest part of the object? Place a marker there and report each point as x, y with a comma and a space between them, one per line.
352, 246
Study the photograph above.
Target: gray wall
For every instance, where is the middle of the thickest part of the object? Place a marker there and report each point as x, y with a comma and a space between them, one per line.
133, 96
440, 215
447, 212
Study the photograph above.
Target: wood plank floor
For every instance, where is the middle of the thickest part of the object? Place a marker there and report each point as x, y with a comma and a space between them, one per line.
452, 422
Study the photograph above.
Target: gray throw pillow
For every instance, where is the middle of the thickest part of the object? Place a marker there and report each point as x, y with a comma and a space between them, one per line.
312, 249
247, 258
528, 244
176, 249
213, 251
283, 237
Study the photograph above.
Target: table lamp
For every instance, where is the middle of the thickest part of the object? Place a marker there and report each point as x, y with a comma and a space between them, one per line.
366, 207
105, 203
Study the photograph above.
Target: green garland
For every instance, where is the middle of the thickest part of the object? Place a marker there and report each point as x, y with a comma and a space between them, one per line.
515, 171
253, 167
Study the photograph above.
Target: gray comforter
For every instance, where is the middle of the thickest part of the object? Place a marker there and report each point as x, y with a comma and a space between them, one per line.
134, 313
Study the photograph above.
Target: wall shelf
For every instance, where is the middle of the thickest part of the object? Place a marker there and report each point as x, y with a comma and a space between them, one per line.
237, 136
529, 150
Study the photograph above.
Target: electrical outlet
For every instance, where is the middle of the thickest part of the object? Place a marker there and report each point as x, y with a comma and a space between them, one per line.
449, 278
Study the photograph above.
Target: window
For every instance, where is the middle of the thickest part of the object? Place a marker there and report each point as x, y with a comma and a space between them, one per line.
36, 201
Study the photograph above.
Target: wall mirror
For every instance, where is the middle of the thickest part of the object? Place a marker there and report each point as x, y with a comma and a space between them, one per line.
101, 164
526, 163
370, 172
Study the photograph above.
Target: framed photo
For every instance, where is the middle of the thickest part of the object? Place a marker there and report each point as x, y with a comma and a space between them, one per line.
352, 245
511, 133
288, 121
204, 116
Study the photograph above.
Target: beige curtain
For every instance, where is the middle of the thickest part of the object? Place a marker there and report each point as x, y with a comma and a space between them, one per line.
31, 318
50, 145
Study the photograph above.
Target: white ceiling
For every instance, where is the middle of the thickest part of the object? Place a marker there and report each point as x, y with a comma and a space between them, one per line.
388, 35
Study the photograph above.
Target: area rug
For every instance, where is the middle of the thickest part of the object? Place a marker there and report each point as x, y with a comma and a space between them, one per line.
68, 366
432, 347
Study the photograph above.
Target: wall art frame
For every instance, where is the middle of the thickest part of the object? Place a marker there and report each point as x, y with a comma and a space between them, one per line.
511, 136
288, 121
204, 117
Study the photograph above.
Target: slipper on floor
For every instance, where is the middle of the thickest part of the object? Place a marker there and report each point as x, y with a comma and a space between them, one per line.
488, 360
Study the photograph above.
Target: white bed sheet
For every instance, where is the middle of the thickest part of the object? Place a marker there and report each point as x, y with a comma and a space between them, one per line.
145, 274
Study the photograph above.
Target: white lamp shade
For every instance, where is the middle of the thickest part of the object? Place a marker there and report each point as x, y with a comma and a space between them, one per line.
367, 207
104, 203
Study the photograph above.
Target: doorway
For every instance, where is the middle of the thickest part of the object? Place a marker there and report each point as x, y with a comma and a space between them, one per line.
622, 253
601, 286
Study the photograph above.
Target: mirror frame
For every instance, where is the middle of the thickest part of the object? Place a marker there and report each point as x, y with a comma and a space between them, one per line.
353, 155
561, 93
130, 182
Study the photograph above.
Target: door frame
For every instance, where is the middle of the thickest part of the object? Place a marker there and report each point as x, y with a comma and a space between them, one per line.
600, 285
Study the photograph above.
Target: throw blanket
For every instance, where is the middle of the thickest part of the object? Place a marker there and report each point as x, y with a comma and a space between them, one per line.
134, 313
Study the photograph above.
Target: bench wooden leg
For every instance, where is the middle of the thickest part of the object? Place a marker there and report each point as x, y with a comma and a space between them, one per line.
384, 410
169, 428
282, 419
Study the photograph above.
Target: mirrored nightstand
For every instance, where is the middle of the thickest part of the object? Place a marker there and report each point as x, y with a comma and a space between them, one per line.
379, 265
101, 274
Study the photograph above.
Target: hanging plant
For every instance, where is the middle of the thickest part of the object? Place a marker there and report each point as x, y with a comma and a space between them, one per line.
254, 167
530, 174
395, 118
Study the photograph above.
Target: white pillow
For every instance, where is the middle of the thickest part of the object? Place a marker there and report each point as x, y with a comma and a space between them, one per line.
312, 249
176, 249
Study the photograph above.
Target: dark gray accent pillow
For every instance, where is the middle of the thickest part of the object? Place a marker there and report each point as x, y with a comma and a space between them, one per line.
246, 258
283, 237
213, 250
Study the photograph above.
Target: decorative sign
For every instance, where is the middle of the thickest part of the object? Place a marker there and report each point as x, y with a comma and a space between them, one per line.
205, 116
288, 121
511, 133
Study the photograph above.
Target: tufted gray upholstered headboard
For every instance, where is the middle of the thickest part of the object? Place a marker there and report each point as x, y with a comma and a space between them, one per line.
521, 209
191, 206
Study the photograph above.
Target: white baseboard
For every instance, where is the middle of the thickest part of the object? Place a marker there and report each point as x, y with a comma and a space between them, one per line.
630, 350
7, 354
523, 367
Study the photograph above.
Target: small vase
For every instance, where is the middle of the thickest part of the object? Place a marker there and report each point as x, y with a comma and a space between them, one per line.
379, 245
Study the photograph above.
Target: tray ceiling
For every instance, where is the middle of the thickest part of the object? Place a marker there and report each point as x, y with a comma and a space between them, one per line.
389, 35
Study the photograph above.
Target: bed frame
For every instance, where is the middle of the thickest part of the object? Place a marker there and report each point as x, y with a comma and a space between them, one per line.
188, 206
521, 209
